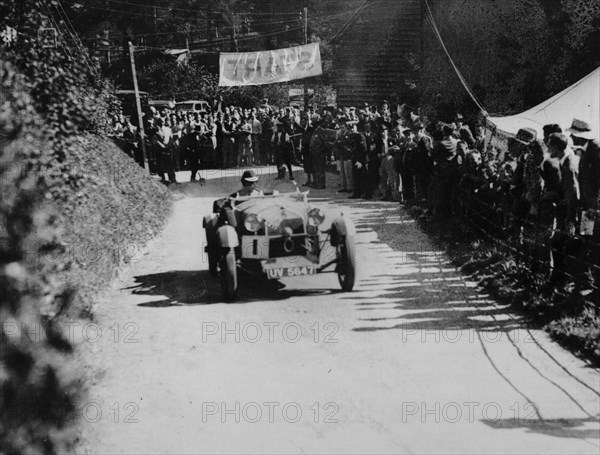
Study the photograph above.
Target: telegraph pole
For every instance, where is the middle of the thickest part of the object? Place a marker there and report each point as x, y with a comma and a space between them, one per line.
305, 42
138, 104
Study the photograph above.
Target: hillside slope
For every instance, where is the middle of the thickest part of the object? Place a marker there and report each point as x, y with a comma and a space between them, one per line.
73, 208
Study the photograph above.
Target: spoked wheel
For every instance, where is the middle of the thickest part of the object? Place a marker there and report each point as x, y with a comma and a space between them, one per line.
229, 275
346, 267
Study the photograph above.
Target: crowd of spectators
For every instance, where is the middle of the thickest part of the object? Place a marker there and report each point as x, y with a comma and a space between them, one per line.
545, 191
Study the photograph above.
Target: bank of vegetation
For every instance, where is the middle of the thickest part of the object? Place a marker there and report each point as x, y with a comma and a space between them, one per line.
73, 210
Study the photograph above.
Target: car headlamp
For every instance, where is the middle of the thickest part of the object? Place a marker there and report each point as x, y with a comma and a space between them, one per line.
316, 217
253, 222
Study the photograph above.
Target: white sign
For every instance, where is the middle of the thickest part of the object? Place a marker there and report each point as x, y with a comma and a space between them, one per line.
269, 67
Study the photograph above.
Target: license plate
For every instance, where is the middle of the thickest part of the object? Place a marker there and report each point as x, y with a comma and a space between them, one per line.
285, 272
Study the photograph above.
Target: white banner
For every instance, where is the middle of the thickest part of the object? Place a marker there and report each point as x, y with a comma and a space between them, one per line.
269, 67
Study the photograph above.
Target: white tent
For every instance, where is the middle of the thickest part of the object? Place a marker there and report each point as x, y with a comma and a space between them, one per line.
581, 101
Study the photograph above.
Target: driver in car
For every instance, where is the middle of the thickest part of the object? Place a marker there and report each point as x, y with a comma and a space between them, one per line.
249, 188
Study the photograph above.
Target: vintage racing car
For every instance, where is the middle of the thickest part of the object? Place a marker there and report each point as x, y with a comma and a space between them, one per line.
277, 235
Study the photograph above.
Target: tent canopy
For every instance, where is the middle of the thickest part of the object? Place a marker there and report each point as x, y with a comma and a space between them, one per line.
581, 101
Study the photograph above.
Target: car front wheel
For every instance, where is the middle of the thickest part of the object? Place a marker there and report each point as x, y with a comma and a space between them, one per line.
228, 275
346, 267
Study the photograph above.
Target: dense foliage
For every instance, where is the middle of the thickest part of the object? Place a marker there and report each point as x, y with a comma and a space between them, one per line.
55, 173
549, 45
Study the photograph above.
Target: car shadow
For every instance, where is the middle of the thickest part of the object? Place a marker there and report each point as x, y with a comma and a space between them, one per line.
190, 288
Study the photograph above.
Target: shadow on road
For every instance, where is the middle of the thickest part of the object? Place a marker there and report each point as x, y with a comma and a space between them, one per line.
422, 292
188, 288
561, 428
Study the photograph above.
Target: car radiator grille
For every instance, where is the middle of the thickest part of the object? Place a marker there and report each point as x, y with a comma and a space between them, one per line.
276, 249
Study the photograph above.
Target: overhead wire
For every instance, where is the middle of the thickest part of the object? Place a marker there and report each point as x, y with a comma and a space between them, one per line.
74, 36
213, 41
173, 8
266, 17
240, 38
53, 22
150, 11
438, 35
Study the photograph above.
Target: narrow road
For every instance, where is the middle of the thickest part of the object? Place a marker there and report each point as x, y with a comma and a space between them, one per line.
415, 360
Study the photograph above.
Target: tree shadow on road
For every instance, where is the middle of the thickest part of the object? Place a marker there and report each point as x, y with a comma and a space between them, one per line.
189, 288
561, 428
423, 295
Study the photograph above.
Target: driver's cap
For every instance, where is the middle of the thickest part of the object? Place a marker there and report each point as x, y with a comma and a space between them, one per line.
249, 176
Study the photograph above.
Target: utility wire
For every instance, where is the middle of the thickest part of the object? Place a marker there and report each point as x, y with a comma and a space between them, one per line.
53, 22
169, 8
74, 36
243, 38
150, 12
458, 73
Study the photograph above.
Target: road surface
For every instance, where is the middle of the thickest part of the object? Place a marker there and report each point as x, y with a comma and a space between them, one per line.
415, 360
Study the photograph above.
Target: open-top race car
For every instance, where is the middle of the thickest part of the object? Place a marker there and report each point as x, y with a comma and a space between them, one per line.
277, 235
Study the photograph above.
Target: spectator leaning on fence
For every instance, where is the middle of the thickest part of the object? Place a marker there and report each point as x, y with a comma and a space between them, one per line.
588, 148
566, 204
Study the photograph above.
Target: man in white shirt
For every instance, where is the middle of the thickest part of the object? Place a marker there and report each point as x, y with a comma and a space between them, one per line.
256, 135
161, 140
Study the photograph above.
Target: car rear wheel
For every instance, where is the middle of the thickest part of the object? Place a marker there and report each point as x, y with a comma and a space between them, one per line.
346, 267
229, 275
213, 262
210, 229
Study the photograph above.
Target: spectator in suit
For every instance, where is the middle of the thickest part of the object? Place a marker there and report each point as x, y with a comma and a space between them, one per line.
307, 129
403, 164
526, 179
588, 147
567, 203
343, 155
422, 162
374, 145
245, 142
463, 132
358, 147
229, 144
549, 129
446, 166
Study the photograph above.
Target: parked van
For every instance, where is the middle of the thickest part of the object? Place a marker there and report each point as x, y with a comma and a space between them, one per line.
193, 106
161, 105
